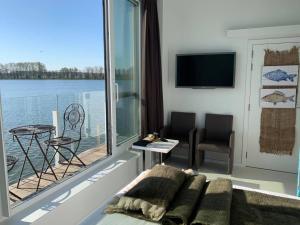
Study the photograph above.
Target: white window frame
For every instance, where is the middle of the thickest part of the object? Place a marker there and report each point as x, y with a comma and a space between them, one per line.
120, 148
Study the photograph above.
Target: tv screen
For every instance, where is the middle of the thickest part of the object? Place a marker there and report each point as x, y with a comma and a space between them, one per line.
206, 70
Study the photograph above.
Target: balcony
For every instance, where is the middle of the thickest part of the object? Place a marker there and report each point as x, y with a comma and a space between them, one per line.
50, 110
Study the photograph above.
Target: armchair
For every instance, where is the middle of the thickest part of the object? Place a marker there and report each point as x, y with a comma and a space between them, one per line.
217, 136
182, 128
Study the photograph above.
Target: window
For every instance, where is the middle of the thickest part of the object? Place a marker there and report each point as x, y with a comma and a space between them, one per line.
126, 45
53, 91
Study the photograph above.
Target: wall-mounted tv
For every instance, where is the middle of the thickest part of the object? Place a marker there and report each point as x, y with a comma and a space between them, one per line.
210, 70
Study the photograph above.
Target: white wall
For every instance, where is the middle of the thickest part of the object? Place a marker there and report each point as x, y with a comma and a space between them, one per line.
191, 26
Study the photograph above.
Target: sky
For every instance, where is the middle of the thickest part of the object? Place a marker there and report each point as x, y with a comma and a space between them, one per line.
58, 33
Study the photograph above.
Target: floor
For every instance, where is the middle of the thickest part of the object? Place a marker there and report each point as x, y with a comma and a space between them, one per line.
268, 180
28, 185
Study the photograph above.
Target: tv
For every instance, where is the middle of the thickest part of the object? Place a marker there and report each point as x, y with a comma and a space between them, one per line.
209, 70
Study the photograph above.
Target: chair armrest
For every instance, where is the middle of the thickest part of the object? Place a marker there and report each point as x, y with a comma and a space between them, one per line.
165, 131
192, 135
200, 136
231, 139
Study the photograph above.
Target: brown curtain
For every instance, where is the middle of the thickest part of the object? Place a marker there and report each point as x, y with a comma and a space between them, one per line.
152, 94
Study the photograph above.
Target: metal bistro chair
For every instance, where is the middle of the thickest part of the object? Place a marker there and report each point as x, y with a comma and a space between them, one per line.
11, 161
74, 117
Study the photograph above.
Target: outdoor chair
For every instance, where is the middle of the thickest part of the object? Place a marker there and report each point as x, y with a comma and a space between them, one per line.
74, 117
11, 162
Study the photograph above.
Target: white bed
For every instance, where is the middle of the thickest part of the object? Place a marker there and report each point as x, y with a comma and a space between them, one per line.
98, 217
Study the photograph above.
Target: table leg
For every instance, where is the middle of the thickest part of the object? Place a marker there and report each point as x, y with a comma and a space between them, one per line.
26, 158
45, 160
160, 158
144, 161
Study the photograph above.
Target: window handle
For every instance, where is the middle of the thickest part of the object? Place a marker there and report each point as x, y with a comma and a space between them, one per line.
117, 92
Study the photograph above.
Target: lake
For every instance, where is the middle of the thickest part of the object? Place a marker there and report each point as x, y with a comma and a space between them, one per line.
27, 102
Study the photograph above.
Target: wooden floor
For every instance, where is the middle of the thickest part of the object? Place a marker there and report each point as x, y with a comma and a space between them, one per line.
28, 185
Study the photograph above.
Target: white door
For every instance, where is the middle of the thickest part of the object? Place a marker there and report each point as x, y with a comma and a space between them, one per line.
255, 158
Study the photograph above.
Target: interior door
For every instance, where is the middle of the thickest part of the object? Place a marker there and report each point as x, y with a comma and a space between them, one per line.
255, 158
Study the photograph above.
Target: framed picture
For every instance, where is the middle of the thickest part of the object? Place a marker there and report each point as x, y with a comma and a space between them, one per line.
280, 75
278, 98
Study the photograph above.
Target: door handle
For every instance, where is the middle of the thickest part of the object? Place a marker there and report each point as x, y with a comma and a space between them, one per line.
117, 92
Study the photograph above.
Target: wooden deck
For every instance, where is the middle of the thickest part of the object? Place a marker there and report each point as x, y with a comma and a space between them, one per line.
28, 185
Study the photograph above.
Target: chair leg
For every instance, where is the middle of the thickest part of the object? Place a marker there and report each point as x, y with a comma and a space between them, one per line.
73, 156
199, 155
190, 158
197, 159
53, 157
230, 163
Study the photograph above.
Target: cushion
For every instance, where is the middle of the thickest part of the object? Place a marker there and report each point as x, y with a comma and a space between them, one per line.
182, 123
220, 146
218, 127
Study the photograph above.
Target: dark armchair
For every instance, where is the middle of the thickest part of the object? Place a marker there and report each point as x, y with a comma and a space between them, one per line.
217, 136
182, 128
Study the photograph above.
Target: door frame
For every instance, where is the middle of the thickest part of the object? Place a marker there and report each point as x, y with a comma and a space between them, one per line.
247, 106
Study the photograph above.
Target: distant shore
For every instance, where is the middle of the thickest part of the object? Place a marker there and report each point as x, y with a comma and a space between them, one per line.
50, 75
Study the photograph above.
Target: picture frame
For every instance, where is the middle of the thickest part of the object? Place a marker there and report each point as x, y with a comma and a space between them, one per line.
278, 98
280, 75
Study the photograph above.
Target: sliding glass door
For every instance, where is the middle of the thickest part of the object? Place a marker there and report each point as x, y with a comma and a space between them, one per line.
127, 71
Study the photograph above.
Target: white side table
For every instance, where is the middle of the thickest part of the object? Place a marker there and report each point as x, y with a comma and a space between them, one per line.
158, 146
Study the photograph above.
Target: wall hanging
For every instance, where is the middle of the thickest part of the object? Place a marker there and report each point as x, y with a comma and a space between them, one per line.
278, 116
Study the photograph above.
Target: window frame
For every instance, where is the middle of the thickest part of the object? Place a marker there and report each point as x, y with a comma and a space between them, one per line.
125, 145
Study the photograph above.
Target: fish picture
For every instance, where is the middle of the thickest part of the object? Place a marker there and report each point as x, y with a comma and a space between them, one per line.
278, 98
280, 75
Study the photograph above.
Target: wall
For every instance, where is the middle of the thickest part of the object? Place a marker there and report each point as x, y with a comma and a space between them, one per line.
191, 26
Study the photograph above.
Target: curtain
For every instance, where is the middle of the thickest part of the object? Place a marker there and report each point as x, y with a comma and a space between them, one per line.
152, 93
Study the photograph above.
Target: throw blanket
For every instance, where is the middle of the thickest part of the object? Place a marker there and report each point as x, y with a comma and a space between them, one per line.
182, 207
151, 197
214, 208
172, 197
253, 208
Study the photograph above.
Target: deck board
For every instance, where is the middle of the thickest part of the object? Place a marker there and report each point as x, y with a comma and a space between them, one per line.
28, 185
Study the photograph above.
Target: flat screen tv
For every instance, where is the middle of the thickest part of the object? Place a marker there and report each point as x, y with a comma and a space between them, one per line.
211, 70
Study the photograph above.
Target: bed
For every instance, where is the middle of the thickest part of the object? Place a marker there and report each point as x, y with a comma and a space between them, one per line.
99, 217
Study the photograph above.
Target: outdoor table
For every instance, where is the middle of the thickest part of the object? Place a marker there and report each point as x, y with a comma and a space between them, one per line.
34, 133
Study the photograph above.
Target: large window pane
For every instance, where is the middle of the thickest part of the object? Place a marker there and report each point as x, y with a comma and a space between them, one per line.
127, 70
51, 74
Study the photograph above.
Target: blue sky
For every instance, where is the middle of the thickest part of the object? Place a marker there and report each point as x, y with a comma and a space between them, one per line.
55, 32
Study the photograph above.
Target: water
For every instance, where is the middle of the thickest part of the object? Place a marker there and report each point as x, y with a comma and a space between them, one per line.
33, 101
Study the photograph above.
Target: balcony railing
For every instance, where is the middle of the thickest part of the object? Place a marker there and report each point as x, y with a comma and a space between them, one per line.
49, 110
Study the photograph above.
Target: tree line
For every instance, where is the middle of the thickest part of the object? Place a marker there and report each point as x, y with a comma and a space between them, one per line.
38, 70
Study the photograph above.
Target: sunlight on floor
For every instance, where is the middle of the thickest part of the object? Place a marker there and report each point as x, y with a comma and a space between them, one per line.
268, 180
